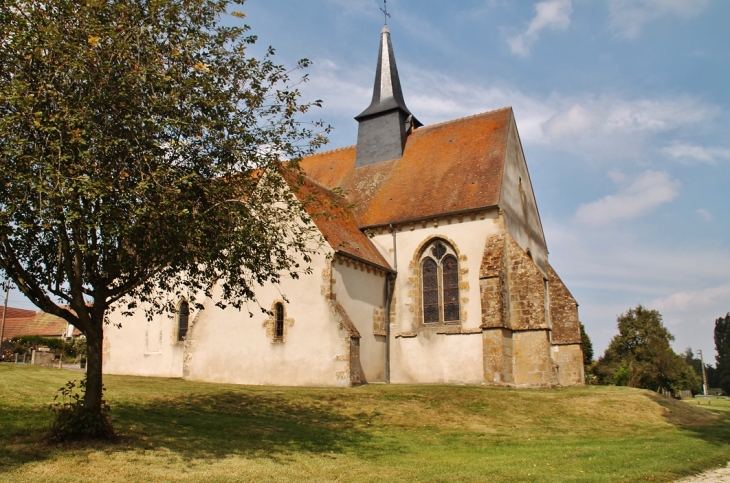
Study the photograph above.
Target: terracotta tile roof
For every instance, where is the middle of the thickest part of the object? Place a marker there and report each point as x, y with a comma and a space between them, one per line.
14, 313
337, 224
446, 168
43, 324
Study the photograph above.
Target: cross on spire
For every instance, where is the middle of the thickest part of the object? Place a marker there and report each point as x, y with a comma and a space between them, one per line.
385, 12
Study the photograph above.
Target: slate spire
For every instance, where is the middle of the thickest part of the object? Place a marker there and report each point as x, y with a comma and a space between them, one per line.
386, 123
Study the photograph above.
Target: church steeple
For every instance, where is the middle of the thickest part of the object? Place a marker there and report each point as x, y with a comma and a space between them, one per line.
386, 123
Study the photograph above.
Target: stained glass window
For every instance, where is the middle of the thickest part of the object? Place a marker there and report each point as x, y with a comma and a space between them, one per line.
279, 314
438, 250
430, 291
450, 274
440, 278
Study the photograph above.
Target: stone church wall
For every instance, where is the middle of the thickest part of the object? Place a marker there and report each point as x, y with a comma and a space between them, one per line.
563, 312
441, 353
514, 316
526, 290
360, 290
498, 356
142, 347
569, 359
533, 364
229, 346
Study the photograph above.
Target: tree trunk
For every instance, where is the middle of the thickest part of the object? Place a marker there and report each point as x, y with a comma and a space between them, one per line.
94, 339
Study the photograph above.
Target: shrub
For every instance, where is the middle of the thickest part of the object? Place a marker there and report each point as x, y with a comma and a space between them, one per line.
73, 421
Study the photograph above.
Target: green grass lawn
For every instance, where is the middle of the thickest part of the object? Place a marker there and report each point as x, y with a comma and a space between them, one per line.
174, 430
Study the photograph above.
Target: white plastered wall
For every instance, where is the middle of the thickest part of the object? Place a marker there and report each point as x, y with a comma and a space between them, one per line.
231, 347
418, 353
141, 347
361, 292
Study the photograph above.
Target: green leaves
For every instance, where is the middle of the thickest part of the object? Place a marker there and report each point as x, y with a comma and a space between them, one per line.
640, 355
139, 142
722, 346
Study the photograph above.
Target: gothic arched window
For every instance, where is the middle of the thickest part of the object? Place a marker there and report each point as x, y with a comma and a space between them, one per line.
279, 321
183, 317
440, 284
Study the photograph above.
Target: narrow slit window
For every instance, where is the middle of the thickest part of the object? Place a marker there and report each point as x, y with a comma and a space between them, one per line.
183, 318
279, 315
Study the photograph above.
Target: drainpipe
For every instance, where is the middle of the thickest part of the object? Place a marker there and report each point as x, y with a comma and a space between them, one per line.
388, 301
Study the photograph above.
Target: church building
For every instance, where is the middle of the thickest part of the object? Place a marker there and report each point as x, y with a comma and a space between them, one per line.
440, 273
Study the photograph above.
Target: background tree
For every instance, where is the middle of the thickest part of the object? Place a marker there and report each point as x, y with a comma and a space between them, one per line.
140, 154
713, 380
722, 347
640, 355
694, 362
586, 346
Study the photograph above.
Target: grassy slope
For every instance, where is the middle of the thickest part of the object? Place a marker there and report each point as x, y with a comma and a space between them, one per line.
174, 430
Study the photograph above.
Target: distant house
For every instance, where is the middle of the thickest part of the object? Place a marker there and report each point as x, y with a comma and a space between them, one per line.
20, 322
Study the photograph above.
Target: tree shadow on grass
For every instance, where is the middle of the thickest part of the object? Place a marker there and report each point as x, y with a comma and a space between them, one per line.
210, 426
227, 423
710, 426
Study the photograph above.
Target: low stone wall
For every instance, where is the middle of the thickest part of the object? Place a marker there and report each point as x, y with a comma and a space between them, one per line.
42, 358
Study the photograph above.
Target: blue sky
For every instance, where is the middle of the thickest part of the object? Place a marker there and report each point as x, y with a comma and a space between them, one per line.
623, 108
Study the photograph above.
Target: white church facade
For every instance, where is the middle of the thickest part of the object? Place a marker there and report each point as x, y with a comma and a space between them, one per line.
439, 275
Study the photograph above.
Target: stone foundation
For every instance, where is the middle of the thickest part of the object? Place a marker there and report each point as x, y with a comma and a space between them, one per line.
497, 356
532, 364
569, 359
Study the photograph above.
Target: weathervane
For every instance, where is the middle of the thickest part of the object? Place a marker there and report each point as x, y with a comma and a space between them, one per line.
385, 11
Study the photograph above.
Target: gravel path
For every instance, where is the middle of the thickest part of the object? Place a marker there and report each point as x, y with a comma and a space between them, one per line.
721, 475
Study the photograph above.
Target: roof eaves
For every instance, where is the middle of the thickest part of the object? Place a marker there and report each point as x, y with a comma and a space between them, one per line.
429, 217
386, 267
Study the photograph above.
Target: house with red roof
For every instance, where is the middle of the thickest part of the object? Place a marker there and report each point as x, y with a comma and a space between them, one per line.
20, 322
438, 274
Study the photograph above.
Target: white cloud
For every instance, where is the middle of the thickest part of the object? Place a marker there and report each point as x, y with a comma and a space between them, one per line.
628, 17
704, 214
691, 301
692, 153
549, 14
647, 192
606, 126
610, 270
610, 115
345, 91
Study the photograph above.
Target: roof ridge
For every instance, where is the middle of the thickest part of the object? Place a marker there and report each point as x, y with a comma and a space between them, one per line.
333, 150
458, 119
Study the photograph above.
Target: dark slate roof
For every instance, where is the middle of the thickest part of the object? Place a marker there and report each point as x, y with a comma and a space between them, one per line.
387, 92
453, 167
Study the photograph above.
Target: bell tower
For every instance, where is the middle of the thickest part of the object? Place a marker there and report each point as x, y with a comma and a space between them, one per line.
385, 125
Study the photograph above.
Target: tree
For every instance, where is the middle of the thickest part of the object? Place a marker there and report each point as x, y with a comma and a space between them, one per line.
141, 154
722, 347
640, 355
586, 346
696, 364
